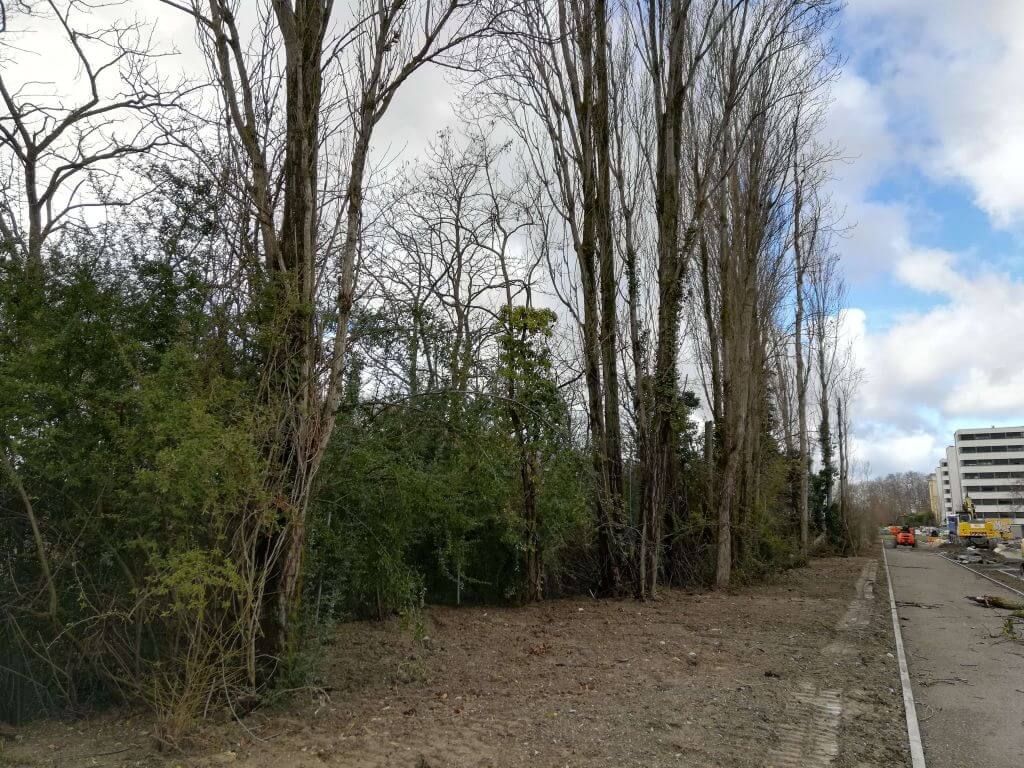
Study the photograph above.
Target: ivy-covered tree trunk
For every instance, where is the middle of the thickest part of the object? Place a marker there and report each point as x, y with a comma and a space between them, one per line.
535, 413
293, 386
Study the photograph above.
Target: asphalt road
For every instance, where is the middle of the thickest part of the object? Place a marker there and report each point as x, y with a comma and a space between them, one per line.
968, 678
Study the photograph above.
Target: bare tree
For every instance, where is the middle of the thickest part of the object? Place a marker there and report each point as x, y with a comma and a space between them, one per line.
552, 88
770, 71
855, 533
309, 232
826, 299
678, 38
799, 276
811, 230
63, 150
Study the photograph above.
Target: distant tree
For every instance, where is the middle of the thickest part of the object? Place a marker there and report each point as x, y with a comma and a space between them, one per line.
892, 499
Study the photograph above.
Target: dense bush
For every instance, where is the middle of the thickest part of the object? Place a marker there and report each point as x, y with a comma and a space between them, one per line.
137, 437
128, 445
130, 424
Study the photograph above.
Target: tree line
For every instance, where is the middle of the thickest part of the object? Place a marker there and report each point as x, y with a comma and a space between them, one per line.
896, 499
257, 376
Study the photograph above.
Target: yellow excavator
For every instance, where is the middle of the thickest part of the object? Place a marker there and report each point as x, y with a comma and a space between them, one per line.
980, 532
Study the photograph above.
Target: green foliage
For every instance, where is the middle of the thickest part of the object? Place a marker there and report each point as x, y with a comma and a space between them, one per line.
691, 524
133, 413
821, 502
422, 499
386, 494
401, 519
134, 438
768, 540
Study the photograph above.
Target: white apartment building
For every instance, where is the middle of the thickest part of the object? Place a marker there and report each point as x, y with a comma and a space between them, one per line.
943, 488
989, 469
934, 503
956, 496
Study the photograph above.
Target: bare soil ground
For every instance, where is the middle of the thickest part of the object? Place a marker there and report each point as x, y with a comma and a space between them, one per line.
794, 672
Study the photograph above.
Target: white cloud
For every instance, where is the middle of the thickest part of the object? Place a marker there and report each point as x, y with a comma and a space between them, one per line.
959, 362
988, 391
876, 235
885, 450
856, 124
424, 105
949, 72
939, 98
929, 270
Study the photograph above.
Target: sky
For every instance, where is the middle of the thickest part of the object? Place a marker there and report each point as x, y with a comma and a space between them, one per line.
929, 112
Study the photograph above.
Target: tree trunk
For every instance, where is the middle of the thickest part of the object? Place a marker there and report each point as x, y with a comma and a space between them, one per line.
640, 378
589, 93
608, 286
37, 536
825, 429
534, 561
803, 491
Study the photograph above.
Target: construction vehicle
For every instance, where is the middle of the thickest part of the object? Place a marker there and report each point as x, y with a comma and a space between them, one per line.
999, 528
905, 538
978, 533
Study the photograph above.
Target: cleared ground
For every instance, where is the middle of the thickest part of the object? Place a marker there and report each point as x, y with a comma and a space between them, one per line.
795, 672
968, 676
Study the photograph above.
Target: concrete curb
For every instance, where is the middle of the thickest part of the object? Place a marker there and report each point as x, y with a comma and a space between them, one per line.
913, 729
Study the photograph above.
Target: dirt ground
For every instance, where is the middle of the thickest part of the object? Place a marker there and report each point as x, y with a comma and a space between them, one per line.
795, 672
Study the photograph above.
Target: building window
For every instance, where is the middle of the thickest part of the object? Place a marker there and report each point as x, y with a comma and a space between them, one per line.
990, 462
990, 436
992, 449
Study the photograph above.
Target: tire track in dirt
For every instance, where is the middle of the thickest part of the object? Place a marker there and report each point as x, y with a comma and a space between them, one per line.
810, 738
858, 614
